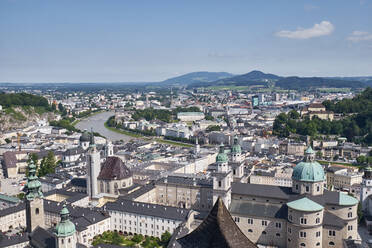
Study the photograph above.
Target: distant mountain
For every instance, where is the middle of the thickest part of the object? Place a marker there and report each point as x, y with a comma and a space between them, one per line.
248, 79
254, 76
197, 77
295, 83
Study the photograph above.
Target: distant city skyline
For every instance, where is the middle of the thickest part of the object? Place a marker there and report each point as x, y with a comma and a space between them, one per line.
149, 41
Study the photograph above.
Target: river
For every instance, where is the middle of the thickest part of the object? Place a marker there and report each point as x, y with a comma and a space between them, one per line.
97, 122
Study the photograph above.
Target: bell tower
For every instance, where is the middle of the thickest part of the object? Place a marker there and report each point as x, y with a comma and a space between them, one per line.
34, 200
93, 168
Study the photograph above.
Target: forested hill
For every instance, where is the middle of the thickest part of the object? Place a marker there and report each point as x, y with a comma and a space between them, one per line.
21, 110
359, 104
22, 99
298, 83
356, 125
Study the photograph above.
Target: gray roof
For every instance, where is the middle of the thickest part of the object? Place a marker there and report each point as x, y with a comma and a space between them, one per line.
259, 209
218, 230
332, 220
14, 209
259, 190
6, 241
140, 208
42, 238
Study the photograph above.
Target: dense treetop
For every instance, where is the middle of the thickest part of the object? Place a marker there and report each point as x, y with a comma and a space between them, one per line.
23, 99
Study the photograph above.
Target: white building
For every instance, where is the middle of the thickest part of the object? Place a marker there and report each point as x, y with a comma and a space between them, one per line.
190, 116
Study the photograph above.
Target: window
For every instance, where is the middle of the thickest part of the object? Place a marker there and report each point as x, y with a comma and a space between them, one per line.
289, 240
250, 230
289, 230
349, 228
219, 184
331, 243
62, 241
302, 244
290, 217
303, 221
237, 219
317, 220
250, 221
350, 214
278, 225
69, 240
307, 189
37, 211
302, 234
277, 234
331, 233
297, 186
264, 233
318, 188
318, 244
264, 222
317, 234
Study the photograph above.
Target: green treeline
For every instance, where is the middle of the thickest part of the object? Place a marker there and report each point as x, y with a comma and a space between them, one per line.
23, 99
150, 114
356, 128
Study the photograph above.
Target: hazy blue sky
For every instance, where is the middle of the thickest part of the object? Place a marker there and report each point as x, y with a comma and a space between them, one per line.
122, 40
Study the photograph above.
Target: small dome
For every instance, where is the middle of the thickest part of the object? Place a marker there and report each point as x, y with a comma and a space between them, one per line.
308, 172
85, 136
222, 156
65, 227
236, 147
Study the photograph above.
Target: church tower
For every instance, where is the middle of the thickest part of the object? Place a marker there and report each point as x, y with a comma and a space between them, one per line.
93, 168
222, 178
109, 149
34, 200
366, 187
65, 231
236, 151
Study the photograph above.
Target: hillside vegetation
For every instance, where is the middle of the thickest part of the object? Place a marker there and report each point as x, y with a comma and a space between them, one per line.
21, 110
356, 127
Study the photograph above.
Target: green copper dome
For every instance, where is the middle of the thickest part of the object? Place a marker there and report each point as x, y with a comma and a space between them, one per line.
308, 170
236, 147
65, 227
305, 205
222, 156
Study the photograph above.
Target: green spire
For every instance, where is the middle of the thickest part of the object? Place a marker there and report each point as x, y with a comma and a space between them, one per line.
236, 147
65, 227
222, 156
33, 185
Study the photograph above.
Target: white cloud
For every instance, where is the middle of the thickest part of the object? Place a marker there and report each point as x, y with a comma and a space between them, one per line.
357, 36
321, 29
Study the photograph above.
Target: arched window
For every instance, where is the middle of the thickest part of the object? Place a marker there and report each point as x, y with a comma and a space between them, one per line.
350, 214
317, 220
69, 240
302, 244
37, 211
331, 243
102, 187
318, 244
62, 241
116, 188
264, 233
108, 187
250, 230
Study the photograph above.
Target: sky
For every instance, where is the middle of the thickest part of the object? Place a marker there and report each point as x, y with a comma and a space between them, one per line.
137, 40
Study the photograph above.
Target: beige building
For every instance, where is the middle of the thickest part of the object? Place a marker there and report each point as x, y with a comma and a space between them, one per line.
306, 215
343, 178
317, 109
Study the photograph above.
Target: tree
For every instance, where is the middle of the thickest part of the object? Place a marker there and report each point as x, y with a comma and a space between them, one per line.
47, 165
209, 118
117, 239
361, 159
293, 114
319, 154
7, 140
165, 237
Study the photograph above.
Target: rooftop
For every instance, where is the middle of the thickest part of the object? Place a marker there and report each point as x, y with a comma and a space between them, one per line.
305, 205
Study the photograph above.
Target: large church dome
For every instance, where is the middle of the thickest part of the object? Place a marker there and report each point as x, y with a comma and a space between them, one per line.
308, 170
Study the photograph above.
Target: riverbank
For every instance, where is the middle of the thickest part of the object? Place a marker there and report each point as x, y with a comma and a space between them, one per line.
87, 116
139, 136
